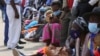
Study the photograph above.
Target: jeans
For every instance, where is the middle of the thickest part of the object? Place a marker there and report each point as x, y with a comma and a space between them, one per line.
6, 27
5, 19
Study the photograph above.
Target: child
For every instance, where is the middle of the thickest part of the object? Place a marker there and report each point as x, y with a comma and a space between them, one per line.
97, 45
92, 41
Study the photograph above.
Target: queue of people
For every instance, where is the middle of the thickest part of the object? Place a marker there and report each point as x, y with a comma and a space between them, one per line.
67, 27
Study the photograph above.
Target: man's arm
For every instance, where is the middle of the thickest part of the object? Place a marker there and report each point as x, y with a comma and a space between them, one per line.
15, 9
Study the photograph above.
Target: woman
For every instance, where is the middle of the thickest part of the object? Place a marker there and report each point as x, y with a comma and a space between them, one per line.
51, 31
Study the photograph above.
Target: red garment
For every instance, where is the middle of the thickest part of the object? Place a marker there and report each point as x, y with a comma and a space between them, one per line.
70, 3
96, 53
23, 3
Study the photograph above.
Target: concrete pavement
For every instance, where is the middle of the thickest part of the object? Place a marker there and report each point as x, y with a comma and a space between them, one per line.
29, 47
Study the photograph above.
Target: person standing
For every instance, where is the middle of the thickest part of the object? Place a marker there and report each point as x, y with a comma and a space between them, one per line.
6, 24
5, 19
13, 12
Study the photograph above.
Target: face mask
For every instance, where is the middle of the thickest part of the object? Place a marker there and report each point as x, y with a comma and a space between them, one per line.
93, 28
56, 13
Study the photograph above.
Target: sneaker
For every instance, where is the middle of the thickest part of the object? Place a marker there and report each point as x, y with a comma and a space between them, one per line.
5, 44
21, 42
9, 48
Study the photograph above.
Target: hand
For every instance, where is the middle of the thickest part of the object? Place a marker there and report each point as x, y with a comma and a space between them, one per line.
16, 15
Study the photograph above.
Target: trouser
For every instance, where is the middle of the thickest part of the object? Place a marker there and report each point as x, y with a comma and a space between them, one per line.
64, 31
6, 27
65, 28
14, 26
5, 18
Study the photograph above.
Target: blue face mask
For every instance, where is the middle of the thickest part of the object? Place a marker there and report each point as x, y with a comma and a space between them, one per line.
56, 13
93, 28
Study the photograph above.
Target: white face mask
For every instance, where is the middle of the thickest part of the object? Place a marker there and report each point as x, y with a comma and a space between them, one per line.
93, 28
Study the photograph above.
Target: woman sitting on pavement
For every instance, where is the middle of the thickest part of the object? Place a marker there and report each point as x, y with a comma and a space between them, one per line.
51, 31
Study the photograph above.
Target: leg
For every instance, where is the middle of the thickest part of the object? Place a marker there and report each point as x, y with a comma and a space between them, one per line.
6, 28
14, 27
77, 46
64, 31
85, 46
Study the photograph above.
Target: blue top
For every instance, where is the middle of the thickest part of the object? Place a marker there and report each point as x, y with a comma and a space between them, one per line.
16, 1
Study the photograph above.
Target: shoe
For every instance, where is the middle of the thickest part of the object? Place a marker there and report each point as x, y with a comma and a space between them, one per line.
19, 47
21, 42
9, 48
5, 44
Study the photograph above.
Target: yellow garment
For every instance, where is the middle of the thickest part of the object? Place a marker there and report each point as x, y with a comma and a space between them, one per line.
89, 44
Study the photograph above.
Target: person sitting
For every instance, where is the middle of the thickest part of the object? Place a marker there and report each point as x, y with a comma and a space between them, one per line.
51, 31
92, 40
